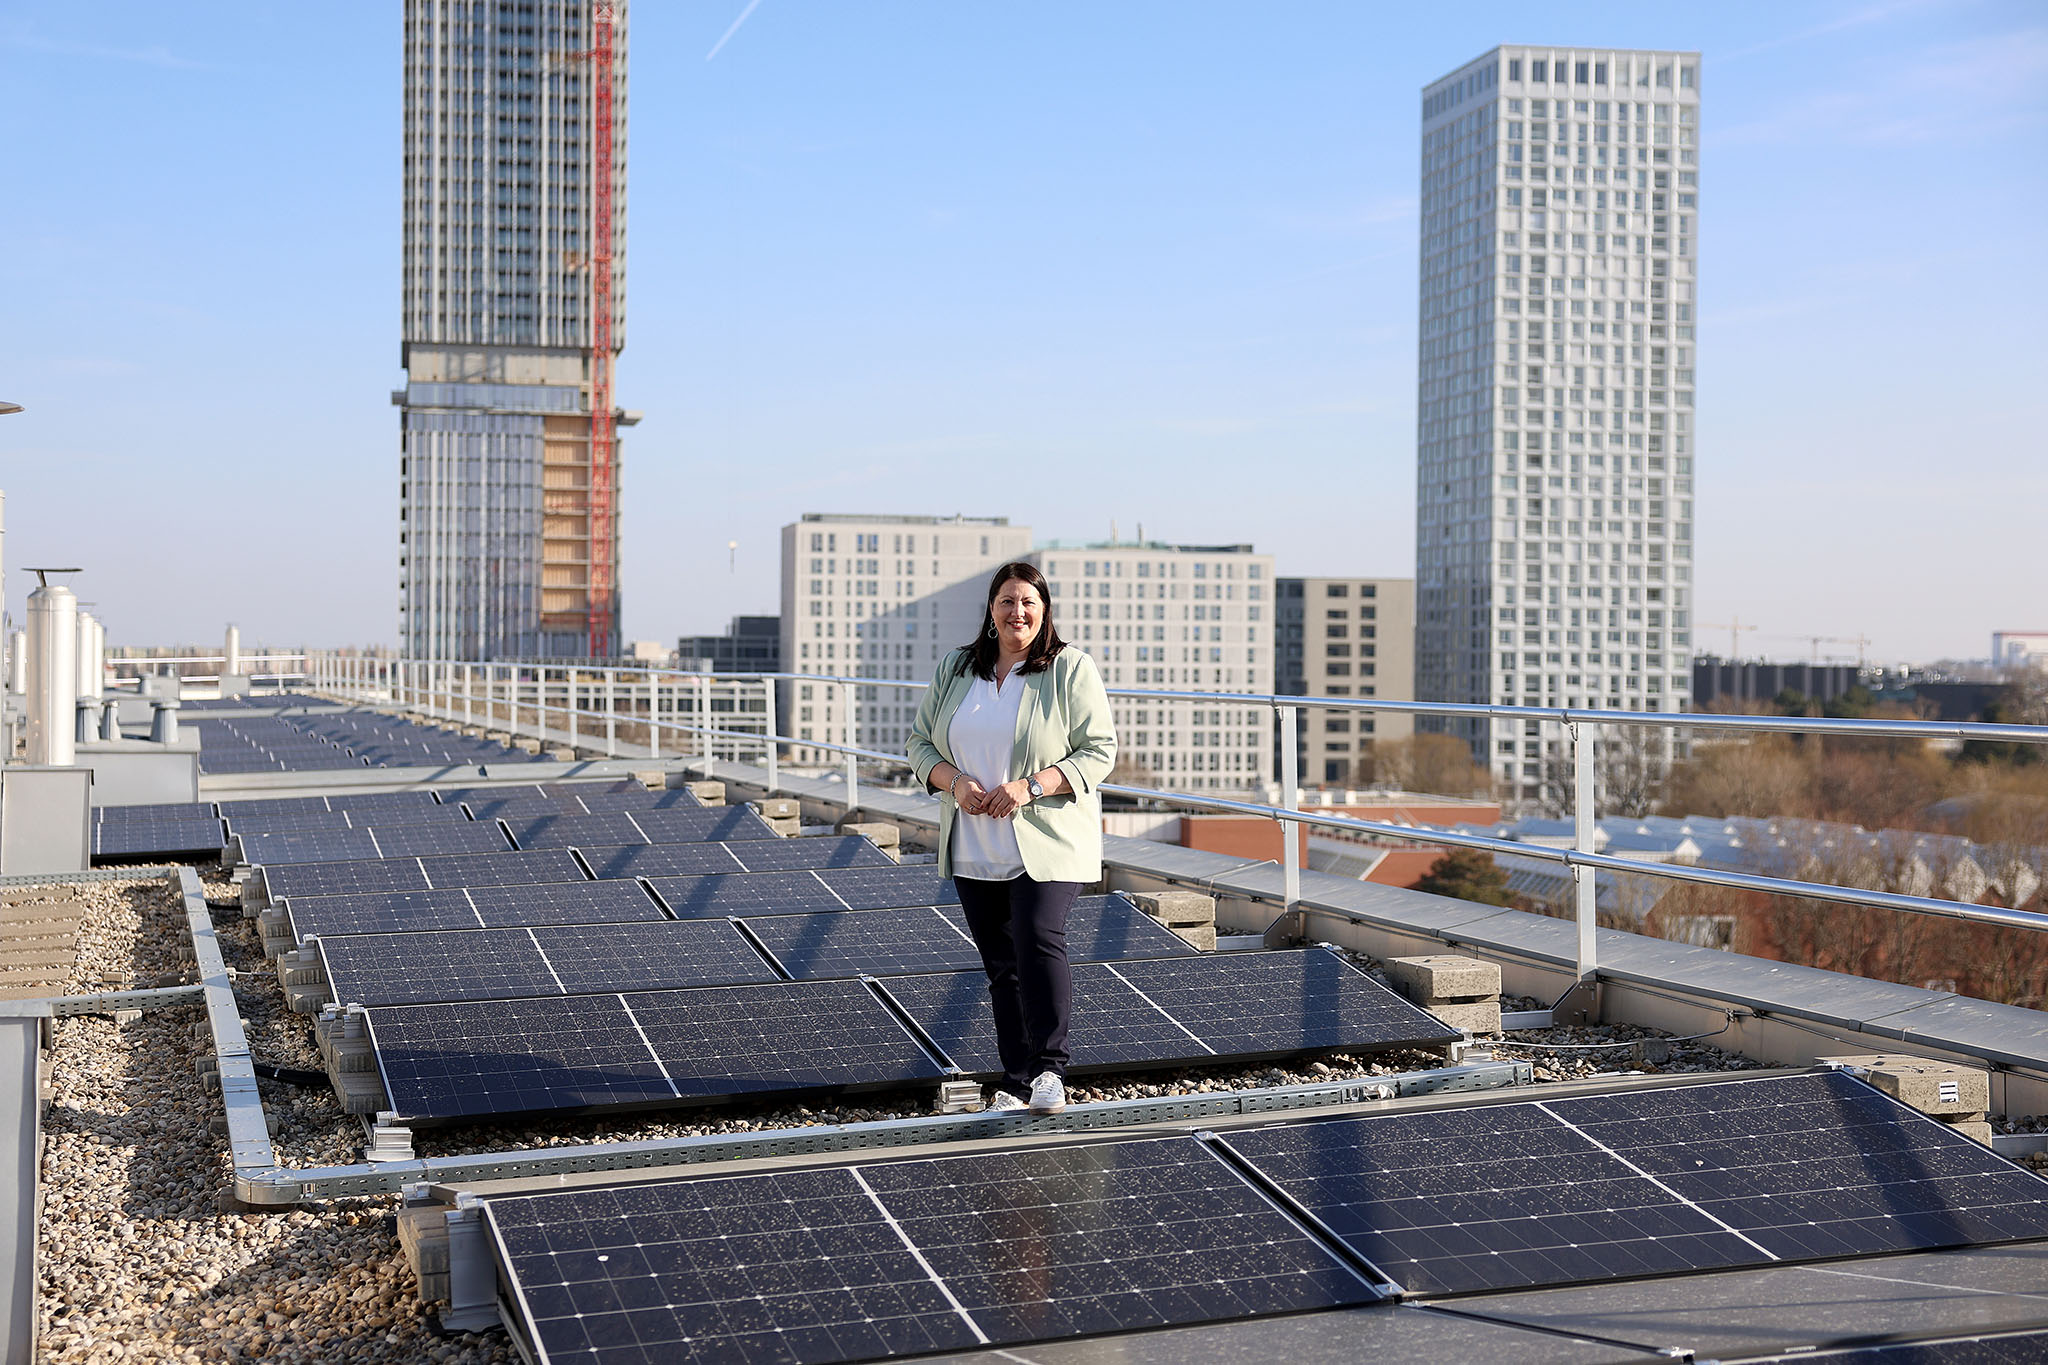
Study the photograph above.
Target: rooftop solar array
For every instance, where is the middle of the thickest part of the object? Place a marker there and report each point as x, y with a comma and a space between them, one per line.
793, 1038
365, 875
903, 1257
1005, 1247
312, 740
762, 855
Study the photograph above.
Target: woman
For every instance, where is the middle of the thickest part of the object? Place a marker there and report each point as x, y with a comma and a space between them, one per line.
1014, 734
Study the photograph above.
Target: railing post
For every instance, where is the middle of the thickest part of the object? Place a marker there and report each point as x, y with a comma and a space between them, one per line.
704, 720
653, 714
611, 714
1290, 799
852, 743
468, 688
768, 713
1585, 880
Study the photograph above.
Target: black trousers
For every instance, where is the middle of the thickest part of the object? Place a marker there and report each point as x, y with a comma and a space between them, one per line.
1020, 926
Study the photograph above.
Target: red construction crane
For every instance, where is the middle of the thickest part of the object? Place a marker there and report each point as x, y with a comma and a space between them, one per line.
603, 443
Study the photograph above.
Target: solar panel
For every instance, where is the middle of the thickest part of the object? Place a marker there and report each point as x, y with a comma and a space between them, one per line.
503, 869
1649, 1182
416, 968
683, 825
658, 956
566, 831
438, 837
784, 855
1301, 1000
289, 822
658, 860
360, 876
275, 805
514, 1056
907, 1257
878, 888
628, 796
384, 803
613, 902
380, 912
517, 808
745, 893
793, 1035
872, 942
520, 791
129, 831
1110, 929
1112, 1024
308, 846
153, 811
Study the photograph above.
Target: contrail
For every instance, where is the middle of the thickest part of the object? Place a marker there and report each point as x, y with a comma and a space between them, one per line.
752, 5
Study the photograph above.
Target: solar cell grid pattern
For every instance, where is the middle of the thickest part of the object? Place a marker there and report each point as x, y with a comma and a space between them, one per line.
538, 867
417, 803
408, 968
896, 1258
823, 852
516, 809
512, 1056
793, 1035
1646, 1182
564, 903
1112, 1024
380, 912
289, 822
745, 893
877, 942
130, 831
878, 888
559, 830
631, 796
435, 837
274, 805
357, 877
657, 956
658, 860
308, 846
679, 825
1294, 1001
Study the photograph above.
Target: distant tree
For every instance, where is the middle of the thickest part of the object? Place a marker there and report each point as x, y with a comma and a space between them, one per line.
1437, 764
2022, 701
1791, 702
1467, 874
1851, 705
1628, 763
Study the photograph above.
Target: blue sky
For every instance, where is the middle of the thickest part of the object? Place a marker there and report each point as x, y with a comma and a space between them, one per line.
1074, 264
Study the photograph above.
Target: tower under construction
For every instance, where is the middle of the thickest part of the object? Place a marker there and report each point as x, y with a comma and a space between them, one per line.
515, 290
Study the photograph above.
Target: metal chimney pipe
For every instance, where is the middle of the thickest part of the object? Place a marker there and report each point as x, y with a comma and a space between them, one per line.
88, 720
163, 721
233, 652
52, 674
91, 659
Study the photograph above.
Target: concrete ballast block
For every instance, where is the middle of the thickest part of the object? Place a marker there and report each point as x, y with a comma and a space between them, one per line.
710, 793
1480, 1016
1942, 1089
778, 808
1441, 977
1176, 909
1201, 936
1977, 1130
877, 832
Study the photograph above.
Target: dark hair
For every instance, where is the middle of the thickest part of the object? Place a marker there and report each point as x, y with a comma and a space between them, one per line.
980, 653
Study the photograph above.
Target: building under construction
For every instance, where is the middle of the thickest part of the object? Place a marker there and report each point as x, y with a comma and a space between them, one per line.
515, 288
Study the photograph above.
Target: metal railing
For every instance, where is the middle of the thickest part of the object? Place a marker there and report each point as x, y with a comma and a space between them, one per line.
426, 686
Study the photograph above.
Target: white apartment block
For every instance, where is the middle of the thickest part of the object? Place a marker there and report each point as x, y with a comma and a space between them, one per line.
495, 532
1345, 637
881, 597
1560, 241
1183, 618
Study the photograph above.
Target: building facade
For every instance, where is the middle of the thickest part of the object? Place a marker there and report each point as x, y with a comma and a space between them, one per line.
750, 644
1193, 617
495, 470
1344, 637
884, 598
1555, 435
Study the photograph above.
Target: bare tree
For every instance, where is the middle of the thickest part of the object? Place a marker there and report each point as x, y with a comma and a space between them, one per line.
1438, 764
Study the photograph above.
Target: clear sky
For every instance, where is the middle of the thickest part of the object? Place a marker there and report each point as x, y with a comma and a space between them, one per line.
1080, 265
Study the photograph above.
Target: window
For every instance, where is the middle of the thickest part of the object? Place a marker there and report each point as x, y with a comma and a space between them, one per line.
1539, 71
1514, 68
1579, 73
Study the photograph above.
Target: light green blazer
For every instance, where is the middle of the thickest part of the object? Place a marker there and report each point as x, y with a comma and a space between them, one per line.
1063, 720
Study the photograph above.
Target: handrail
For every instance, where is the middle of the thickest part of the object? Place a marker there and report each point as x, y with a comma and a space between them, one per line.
1582, 861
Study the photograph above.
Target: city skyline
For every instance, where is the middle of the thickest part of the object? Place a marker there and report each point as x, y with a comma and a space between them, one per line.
867, 261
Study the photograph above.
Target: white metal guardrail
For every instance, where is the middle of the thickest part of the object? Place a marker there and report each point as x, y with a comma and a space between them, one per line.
484, 692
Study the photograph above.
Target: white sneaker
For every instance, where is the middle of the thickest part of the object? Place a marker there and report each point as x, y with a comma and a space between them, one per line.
1003, 1103
1048, 1093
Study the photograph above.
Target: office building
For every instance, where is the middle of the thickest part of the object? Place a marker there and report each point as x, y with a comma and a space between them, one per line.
508, 525
1344, 637
1194, 617
1560, 241
750, 644
879, 597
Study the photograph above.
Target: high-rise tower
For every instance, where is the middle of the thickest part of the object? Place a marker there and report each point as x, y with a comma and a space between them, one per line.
508, 541
1555, 439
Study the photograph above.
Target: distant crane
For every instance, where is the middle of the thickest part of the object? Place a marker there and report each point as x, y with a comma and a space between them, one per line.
1816, 641
1734, 627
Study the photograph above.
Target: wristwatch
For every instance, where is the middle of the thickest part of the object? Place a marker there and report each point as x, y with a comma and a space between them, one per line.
1031, 784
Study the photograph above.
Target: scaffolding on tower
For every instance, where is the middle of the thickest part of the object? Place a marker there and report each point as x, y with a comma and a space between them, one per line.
603, 441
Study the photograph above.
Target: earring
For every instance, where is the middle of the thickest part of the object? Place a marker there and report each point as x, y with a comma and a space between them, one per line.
991, 630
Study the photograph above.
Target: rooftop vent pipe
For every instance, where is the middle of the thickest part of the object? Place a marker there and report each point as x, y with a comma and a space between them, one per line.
52, 671
232, 663
17, 663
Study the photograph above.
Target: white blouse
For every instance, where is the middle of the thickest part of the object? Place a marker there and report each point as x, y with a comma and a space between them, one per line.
983, 738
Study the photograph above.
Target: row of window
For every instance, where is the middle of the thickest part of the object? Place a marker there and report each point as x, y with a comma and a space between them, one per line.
1558, 70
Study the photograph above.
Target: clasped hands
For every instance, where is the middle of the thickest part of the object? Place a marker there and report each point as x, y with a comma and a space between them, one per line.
1002, 803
